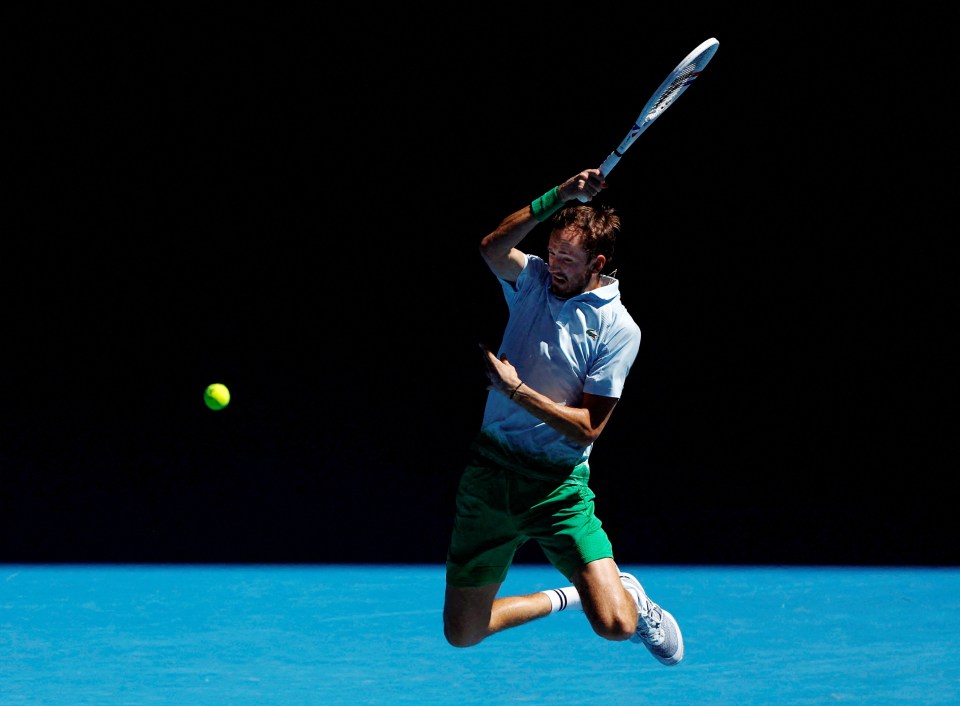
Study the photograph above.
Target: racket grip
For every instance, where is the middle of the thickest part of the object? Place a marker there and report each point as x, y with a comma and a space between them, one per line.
609, 163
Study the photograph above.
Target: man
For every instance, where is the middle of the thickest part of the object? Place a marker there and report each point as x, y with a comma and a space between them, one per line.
566, 351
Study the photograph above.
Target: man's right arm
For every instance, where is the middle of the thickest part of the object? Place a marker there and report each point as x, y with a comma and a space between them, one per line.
499, 250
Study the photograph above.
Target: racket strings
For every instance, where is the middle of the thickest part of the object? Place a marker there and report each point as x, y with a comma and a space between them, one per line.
683, 79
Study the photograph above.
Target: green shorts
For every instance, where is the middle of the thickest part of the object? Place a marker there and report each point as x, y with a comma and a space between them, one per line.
499, 509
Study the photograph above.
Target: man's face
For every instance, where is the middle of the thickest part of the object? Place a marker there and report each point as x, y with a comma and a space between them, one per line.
569, 269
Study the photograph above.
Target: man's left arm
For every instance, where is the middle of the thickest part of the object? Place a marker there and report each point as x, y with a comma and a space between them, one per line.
580, 424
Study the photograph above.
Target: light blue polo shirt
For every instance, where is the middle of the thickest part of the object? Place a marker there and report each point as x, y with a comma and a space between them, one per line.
560, 348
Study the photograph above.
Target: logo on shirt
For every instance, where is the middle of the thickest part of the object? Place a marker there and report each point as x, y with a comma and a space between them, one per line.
592, 333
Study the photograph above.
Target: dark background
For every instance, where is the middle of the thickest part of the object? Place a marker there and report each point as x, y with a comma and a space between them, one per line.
291, 203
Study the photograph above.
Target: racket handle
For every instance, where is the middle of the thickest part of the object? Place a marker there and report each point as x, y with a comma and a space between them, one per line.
608, 164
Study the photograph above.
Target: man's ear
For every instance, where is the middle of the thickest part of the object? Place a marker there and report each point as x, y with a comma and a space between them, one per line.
598, 263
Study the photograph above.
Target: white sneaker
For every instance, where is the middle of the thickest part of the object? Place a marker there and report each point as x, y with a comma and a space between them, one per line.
656, 628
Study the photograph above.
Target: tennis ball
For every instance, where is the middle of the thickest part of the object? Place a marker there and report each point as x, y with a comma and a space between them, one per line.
217, 396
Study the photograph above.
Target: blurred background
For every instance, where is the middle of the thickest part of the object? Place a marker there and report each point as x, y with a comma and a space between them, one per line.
290, 203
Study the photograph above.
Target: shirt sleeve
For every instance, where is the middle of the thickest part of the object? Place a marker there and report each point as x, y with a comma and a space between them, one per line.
609, 373
511, 290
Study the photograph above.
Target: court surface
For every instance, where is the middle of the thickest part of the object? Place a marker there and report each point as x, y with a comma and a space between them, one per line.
238, 635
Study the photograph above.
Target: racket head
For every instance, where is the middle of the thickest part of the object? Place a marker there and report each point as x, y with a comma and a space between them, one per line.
673, 86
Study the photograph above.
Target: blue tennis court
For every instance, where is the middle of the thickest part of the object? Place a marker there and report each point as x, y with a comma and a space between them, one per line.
206, 634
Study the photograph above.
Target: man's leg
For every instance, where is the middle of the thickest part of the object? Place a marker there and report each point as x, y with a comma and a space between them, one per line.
612, 611
640, 619
472, 614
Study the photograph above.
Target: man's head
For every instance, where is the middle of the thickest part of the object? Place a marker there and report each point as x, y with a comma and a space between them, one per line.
580, 247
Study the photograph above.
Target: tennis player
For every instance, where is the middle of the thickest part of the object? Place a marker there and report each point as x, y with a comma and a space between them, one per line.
568, 345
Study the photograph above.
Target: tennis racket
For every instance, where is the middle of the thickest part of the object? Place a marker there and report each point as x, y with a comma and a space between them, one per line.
685, 73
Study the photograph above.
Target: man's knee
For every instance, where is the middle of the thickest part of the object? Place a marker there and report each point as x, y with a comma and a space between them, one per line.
466, 614
459, 637
610, 610
460, 627
615, 627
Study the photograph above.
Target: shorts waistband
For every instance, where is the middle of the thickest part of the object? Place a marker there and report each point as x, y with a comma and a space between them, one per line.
492, 450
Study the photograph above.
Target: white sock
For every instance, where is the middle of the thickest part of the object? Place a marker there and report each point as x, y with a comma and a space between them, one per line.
565, 598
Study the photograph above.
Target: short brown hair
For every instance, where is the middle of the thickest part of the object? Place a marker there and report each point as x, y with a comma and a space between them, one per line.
598, 224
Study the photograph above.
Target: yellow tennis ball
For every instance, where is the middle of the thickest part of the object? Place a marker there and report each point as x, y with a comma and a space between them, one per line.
217, 396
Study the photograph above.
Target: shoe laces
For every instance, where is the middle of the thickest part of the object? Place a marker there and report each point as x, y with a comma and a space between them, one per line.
649, 623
